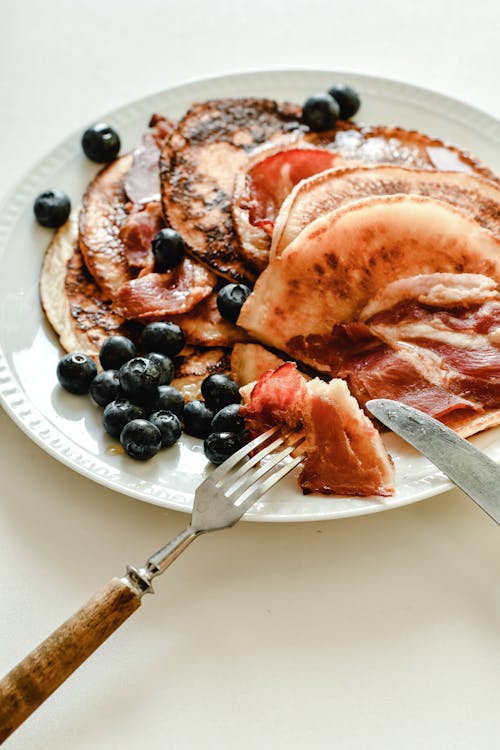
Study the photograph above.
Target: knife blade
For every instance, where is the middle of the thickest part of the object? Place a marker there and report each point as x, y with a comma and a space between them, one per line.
476, 474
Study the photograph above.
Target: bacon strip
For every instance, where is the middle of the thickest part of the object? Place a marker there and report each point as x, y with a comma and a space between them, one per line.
345, 454
137, 233
271, 180
155, 296
457, 346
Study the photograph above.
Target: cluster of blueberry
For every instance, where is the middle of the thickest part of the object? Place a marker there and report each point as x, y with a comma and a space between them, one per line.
142, 408
321, 111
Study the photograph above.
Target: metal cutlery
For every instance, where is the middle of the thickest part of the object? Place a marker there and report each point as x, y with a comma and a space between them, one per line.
476, 474
219, 502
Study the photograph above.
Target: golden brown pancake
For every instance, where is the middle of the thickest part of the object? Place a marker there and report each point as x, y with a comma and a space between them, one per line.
250, 361
350, 144
75, 306
197, 169
384, 144
477, 196
340, 261
103, 213
194, 364
82, 317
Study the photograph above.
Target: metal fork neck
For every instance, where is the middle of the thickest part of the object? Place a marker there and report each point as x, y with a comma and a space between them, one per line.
140, 578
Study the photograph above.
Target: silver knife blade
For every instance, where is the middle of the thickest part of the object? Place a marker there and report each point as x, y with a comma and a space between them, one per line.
476, 474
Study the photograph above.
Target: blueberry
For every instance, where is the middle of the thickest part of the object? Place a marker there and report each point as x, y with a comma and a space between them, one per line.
168, 424
101, 143
228, 419
171, 400
75, 372
52, 208
347, 99
197, 419
220, 445
105, 387
219, 390
119, 413
168, 249
115, 351
166, 338
141, 439
320, 112
139, 379
166, 366
230, 300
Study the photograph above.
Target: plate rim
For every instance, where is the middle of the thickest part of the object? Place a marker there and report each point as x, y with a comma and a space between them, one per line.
37, 427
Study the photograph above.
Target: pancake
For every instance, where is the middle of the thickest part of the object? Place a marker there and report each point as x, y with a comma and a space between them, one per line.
384, 144
193, 365
340, 261
82, 317
270, 173
75, 306
103, 213
197, 168
478, 196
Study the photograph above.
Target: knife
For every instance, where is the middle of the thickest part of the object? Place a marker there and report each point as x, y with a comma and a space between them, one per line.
476, 474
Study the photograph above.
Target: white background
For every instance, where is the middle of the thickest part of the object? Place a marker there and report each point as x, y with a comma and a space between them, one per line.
374, 632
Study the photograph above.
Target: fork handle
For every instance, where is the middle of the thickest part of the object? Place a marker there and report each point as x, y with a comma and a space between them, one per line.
36, 677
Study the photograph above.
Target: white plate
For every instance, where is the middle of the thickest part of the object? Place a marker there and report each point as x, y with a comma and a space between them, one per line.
69, 427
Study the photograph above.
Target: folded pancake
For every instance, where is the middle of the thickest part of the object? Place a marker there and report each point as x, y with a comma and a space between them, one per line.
104, 211
314, 197
269, 175
344, 452
339, 262
261, 187
121, 213
198, 166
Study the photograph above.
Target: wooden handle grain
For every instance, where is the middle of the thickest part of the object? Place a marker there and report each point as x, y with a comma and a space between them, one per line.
28, 684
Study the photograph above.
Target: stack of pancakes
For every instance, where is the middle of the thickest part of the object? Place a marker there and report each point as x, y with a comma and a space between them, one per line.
215, 170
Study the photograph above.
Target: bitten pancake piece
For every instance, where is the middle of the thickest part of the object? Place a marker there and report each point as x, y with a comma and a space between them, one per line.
197, 169
340, 261
325, 192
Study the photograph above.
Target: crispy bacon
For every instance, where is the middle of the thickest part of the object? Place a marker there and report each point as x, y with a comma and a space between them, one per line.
271, 180
386, 374
458, 346
137, 233
345, 454
157, 295
276, 397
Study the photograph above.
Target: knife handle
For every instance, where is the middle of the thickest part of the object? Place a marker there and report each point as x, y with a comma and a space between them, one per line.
36, 677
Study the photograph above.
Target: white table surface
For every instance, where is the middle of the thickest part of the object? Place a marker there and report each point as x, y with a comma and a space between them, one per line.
380, 631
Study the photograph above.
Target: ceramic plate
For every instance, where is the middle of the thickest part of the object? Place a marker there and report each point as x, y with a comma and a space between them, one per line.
69, 427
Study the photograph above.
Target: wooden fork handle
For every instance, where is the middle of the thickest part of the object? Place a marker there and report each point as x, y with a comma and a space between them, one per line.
36, 677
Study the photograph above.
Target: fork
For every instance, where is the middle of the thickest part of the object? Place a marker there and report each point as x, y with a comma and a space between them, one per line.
219, 503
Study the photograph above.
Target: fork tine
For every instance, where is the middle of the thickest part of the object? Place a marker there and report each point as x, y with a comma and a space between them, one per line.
231, 462
258, 456
245, 477
252, 493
